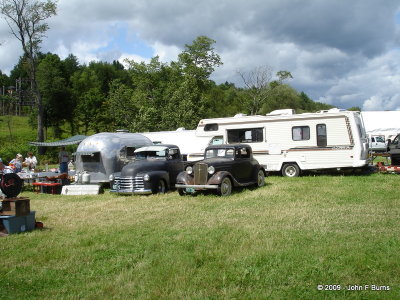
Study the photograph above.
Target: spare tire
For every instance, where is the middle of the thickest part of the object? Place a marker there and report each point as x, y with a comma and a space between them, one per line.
11, 184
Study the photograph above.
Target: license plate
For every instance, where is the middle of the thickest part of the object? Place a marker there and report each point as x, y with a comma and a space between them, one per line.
190, 190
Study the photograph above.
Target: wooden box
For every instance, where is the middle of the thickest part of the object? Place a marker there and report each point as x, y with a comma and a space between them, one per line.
16, 207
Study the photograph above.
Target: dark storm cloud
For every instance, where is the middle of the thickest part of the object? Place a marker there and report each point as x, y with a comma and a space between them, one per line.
340, 52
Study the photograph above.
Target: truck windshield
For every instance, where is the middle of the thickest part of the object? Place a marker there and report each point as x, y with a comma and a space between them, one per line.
228, 153
151, 155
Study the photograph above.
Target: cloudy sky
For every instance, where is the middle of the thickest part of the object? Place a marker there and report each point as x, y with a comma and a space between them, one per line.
346, 53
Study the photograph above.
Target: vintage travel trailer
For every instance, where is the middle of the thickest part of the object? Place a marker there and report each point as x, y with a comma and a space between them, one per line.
282, 141
100, 155
289, 143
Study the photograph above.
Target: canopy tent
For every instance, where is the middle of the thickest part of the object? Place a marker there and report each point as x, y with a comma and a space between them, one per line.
385, 123
76, 139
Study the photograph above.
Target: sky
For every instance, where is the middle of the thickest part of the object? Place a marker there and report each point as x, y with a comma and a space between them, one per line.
344, 53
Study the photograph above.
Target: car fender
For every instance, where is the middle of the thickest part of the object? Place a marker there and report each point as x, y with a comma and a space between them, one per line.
184, 178
217, 178
155, 176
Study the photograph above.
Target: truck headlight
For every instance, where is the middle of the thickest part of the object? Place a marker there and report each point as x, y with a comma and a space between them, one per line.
146, 177
112, 177
189, 170
211, 170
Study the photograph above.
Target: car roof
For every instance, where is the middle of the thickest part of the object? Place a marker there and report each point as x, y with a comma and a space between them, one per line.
158, 147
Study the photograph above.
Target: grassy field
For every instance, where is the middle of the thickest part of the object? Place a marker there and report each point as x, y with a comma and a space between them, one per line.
276, 242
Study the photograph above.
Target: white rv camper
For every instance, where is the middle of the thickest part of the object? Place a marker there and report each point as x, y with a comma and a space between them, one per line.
289, 143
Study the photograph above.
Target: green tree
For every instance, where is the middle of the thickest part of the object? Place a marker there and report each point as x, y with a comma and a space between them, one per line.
26, 19
55, 93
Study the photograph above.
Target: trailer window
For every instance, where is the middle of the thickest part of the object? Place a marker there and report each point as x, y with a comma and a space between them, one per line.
300, 133
321, 135
250, 135
130, 151
211, 127
94, 157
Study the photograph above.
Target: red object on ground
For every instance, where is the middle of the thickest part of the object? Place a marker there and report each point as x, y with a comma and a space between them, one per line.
53, 185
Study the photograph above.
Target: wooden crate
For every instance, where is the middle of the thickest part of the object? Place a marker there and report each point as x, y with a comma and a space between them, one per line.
19, 206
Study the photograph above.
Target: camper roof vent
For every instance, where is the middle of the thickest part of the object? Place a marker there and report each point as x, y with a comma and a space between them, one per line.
122, 130
280, 112
332, 110
240, 115
181, 129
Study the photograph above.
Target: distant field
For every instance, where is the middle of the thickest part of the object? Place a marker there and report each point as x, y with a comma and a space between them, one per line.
277, 242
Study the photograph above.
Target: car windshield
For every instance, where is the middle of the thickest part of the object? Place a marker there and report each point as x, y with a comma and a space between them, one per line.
151, 154
223, 152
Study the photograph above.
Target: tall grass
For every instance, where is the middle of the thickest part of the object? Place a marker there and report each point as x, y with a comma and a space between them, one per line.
278, 242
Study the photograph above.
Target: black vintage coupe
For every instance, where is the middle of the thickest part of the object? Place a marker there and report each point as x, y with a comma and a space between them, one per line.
154, 170
223, 167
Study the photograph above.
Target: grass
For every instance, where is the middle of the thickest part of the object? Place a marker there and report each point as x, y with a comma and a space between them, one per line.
277, 242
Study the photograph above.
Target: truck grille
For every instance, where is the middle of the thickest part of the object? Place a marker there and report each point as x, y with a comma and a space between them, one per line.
129, 183
200, 173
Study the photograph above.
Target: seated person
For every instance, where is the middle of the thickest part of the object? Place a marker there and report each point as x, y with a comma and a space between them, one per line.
16, 163
30, 161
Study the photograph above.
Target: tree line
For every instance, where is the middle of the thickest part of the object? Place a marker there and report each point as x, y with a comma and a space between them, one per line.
153, 96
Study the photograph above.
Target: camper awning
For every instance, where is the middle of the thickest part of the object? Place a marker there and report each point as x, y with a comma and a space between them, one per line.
76, 139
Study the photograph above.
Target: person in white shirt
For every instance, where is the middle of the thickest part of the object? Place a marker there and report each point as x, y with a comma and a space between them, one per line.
30, 161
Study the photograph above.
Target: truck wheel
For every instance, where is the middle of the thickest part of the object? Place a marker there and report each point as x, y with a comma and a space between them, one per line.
290, 170
225, 188
260, 178
160, 188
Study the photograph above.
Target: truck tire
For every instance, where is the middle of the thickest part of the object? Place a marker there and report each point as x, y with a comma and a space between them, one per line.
291, 170
160, 188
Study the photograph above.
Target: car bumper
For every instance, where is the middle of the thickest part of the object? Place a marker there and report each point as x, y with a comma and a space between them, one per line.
133, 192
197, 186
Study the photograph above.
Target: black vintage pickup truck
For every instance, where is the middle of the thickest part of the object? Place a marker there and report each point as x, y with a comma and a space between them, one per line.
154, 170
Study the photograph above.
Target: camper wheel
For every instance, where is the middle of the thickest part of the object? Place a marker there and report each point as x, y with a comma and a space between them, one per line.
290, 170
160, 187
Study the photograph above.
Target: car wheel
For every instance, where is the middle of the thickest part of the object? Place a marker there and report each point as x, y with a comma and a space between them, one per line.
260, 178
182, 192
225, 188
291, 170
160, 188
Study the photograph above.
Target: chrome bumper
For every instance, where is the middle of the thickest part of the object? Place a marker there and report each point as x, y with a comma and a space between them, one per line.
197, 186
135, 192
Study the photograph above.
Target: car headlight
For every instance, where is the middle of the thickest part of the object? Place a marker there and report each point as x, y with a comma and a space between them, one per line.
189, 170
146, 177
112, 177
211, 170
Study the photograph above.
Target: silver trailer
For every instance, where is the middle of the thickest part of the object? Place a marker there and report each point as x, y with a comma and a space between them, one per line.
103, 154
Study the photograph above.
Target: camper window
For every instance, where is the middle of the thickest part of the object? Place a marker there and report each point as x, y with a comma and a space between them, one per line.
211, 127
130, 151
217, 140
321, 135
94, 157
300, 133
249, 135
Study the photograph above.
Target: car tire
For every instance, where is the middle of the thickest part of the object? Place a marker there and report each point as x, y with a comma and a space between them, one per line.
182, 192
160, 188
260, 178
225, 187
290, 170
